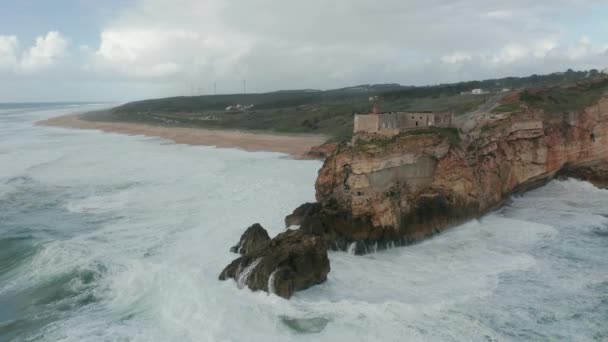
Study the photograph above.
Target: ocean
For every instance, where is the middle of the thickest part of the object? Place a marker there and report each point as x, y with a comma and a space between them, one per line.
107, 237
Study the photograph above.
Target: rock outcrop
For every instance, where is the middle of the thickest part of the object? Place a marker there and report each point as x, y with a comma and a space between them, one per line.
323, 151
253, 238
294, 260
374, 193
301, 213
595, 173
383, 192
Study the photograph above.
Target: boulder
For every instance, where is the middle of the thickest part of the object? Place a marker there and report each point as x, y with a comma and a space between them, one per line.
254, 237
301, 213
292, 261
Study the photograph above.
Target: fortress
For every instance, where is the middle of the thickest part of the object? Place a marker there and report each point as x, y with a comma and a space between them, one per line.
393, 123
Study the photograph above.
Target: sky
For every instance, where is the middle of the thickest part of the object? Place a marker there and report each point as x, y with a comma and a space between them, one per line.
123, 50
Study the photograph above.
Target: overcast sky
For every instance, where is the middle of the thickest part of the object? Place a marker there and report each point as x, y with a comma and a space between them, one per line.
113, 50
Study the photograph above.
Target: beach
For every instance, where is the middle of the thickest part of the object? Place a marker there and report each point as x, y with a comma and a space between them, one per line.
295, 145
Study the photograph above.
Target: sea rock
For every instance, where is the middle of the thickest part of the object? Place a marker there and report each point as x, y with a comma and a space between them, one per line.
302, 212
254, 237
595, 173
294, 260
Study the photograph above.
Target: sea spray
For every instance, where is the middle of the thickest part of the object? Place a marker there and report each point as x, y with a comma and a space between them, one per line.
246, 273
271, 285
352, 248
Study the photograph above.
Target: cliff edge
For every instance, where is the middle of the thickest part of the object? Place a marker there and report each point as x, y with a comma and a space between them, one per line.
383, 190
377, 192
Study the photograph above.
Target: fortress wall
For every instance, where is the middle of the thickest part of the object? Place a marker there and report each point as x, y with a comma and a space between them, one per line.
389, 124
443, 119
416, 120
366, 123
388, 121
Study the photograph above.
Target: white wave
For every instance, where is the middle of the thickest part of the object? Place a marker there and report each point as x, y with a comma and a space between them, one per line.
243, 275
99, 204
271, 282
352, 247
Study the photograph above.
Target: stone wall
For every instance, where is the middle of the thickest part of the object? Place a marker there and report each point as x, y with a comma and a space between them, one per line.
366, 123
388, 124
416, 120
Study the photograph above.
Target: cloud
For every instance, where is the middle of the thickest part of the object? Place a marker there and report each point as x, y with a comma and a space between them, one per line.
9, 48
284, 44
146, 52
45, 52
499, 14
456, 57
153, 48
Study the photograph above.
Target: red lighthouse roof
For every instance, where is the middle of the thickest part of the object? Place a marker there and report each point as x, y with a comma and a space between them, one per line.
376, 109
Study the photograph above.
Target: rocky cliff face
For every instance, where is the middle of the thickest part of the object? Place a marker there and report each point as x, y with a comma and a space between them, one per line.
373, 193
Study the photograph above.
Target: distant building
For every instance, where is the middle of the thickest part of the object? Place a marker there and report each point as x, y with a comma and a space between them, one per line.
477, 91
238, 108
392, 123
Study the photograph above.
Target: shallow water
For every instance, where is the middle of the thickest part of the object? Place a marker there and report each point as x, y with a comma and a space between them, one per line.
112, 237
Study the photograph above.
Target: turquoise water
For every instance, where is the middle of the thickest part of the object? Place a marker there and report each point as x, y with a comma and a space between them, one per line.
106, 237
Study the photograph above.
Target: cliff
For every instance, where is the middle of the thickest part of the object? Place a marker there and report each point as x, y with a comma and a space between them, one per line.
376, 192
380, 191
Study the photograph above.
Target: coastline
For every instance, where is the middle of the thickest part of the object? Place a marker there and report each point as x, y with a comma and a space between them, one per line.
297, 146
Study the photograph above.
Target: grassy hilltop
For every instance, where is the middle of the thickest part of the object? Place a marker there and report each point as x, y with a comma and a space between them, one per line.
331, 112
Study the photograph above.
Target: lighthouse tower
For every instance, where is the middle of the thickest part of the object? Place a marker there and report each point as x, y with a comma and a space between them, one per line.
376, 109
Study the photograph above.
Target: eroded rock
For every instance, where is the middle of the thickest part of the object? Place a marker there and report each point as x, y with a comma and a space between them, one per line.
384, 192
301, 213
254, 237
292, 261
595, 173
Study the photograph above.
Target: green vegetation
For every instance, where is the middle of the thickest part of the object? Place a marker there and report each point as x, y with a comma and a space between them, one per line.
534, 81
459, 104
486, 128
331, 112
450, 133
508, 108
566, 99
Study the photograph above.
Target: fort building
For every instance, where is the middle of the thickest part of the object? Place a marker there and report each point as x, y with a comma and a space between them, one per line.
393, 123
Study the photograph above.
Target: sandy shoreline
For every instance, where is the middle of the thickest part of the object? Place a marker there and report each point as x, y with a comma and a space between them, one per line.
297, 146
